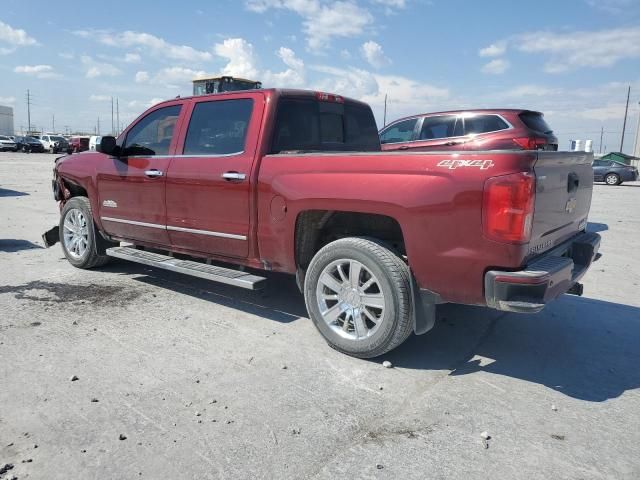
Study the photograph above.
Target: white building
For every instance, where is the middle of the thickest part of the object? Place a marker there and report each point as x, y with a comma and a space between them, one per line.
6, 120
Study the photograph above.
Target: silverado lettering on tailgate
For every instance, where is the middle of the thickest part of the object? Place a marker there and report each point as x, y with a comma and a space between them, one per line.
453, 164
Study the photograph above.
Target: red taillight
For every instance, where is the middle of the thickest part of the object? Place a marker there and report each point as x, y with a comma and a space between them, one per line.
530, 143
507, 210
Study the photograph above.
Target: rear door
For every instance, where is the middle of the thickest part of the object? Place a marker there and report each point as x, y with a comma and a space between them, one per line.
487, 132
131, 188
208, 183
439, 132
564, 184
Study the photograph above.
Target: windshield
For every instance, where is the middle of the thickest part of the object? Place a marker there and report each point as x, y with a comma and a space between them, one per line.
57, 139
4, 138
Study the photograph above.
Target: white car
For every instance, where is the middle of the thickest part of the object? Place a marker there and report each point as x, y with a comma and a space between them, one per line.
7, 144
49, 141
94, 142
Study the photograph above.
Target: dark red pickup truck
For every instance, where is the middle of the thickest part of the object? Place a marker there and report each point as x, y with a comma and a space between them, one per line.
294, 181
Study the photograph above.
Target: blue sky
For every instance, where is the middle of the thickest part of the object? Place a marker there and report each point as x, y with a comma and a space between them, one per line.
571, 59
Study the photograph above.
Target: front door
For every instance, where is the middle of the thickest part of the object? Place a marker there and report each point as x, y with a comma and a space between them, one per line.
399, 135
208, 183
131, 188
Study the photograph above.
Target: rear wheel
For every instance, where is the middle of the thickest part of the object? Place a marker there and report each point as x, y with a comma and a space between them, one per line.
81, 244
358, 295
612, 179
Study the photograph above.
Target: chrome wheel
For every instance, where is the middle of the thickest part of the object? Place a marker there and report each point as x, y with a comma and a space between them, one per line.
350, 299
76, 233
611, 179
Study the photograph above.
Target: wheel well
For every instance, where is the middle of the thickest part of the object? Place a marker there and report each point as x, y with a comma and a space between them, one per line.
75, 190
316, 228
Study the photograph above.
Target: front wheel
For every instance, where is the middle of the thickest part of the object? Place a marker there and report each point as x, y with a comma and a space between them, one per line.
612, 179
358, 294
80, 242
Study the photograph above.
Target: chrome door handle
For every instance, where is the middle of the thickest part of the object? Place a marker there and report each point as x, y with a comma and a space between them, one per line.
153, 173
233, 176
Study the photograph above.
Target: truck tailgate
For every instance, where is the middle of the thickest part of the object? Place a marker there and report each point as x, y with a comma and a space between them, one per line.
564, 184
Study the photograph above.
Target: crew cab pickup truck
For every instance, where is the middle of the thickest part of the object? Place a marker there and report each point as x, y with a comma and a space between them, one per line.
294, 181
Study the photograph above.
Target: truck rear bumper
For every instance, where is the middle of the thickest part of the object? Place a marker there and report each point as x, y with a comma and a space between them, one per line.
547, 277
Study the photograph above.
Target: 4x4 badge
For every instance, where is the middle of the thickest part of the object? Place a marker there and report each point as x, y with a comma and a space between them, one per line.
453, 164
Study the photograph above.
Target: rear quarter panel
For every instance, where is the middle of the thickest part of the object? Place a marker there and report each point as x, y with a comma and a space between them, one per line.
438, 206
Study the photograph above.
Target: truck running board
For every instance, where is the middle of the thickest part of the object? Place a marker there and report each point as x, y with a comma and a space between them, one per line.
188, 267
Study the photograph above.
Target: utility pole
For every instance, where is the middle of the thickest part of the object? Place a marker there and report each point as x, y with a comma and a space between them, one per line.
28, 111
384, 121
635, 152
117, 116
98, 125
112, 125
601, 133
624, 125
53, 122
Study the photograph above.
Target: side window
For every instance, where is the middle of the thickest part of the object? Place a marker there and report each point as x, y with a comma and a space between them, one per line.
152, 135
440, 126
483, 124
598, 163
219, 127
399, 132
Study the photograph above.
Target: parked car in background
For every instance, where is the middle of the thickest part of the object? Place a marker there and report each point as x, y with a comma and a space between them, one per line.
29, 144
53, 143
94, 142
500, 129
613, 173
78, 144
60, 144
7, 144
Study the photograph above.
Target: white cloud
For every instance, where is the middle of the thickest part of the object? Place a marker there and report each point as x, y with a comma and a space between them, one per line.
240, 56
611, 6
493, 50
39, 71
293, 76
66, 55
142, 77
155, 45
527, 91
132, 58
96, 69
403, 93
7, 100
392, 3
99, 98
322, 20
374, 54
572, 50
15, 36
496, 67
177, 76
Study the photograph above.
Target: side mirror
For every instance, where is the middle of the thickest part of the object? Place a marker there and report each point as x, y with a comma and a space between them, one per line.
108, 146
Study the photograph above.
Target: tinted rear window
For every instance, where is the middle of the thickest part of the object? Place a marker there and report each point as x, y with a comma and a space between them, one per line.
535, 121
311, 125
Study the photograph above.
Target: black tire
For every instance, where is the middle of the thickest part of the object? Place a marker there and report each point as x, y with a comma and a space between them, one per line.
395, 285
94, 255
612, 179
